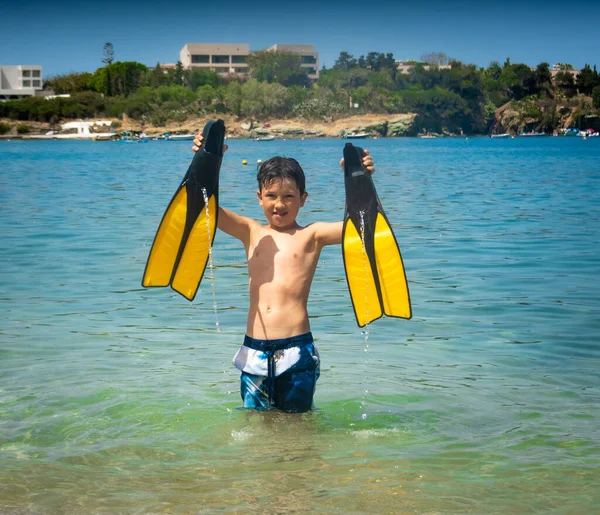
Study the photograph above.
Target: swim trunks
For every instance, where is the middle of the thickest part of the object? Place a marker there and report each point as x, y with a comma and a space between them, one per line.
278, 373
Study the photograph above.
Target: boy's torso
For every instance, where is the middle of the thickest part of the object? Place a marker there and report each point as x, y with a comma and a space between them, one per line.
281, 266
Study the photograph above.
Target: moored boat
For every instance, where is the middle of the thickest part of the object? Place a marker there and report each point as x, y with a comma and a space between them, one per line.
179, 137
532, 134
79, 130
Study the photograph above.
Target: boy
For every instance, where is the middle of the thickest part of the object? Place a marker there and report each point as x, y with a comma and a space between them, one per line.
278, 360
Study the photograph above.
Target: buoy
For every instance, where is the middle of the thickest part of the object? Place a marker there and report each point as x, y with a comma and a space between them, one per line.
244, 162
259, 161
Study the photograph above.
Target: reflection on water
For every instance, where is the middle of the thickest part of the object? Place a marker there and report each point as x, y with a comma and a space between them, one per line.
116, 399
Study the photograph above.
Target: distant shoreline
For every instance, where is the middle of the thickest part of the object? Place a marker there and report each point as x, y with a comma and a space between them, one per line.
378, 125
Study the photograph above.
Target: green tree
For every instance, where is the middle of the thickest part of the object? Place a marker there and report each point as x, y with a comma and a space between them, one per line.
518, 80
275, 66
232, 98
120, 78
376, 61
206, 95
565, 67
587, 80
565, 83
179, 74
491, 84
320, 102
543, 78
157, 77
69, 83
197, 78
435, 58
345, 62
109, 54
494, 70
596, 97
439, 109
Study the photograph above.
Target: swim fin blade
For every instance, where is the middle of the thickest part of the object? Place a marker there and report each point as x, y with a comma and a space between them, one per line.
182, 244
372, 259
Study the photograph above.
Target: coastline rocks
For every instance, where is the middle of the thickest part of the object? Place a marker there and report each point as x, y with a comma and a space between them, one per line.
380, 125
401, 125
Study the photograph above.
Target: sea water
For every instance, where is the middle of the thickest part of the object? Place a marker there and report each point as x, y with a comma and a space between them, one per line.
118, 399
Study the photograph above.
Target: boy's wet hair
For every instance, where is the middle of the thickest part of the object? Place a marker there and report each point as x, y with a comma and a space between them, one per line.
281, 168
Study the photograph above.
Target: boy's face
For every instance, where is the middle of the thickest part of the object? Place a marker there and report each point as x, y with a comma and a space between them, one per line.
281, 201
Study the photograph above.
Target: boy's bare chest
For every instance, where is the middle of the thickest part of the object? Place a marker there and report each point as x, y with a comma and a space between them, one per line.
281, 251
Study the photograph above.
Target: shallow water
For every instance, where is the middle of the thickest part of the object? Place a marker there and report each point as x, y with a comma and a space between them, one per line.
117, 399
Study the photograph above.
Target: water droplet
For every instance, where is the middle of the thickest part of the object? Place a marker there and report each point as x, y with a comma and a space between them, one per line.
364, 416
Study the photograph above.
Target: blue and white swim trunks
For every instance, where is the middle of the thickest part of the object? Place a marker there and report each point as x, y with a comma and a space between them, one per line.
278, 373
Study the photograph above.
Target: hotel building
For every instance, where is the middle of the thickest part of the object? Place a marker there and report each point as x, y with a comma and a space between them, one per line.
232, 58
19, 81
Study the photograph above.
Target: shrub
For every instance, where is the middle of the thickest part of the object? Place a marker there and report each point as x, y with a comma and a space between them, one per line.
23, 129
596, 97
4, 128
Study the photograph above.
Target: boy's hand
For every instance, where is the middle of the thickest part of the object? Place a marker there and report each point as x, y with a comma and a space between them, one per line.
198, 143
367, 162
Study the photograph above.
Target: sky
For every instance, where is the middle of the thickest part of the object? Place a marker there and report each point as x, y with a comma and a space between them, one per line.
67, 36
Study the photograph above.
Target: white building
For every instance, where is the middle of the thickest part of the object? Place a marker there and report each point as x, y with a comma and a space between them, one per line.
232, 58
222, 58
19, 81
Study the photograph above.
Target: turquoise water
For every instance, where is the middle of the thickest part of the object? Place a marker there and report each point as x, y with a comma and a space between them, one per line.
117, 399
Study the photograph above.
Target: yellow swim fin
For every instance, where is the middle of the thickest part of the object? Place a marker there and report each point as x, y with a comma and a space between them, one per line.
186, 233
372, 259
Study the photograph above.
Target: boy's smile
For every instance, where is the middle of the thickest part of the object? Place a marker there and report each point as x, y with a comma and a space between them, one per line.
281, 201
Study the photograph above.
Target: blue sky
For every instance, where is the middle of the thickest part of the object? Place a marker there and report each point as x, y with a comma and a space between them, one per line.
68, 36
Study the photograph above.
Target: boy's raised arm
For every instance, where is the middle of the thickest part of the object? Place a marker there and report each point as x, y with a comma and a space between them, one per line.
328, 233
235, 225
229, 222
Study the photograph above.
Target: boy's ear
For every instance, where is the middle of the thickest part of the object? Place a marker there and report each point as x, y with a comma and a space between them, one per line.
303, 198
259, 197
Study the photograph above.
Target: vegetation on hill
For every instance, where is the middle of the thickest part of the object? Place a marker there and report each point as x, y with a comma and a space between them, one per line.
445, 94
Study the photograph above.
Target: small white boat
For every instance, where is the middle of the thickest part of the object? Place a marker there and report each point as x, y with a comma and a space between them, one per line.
48, 135
356, 135
264, 138
500, 136
180, 137
79, 131
428, 136
532, 134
